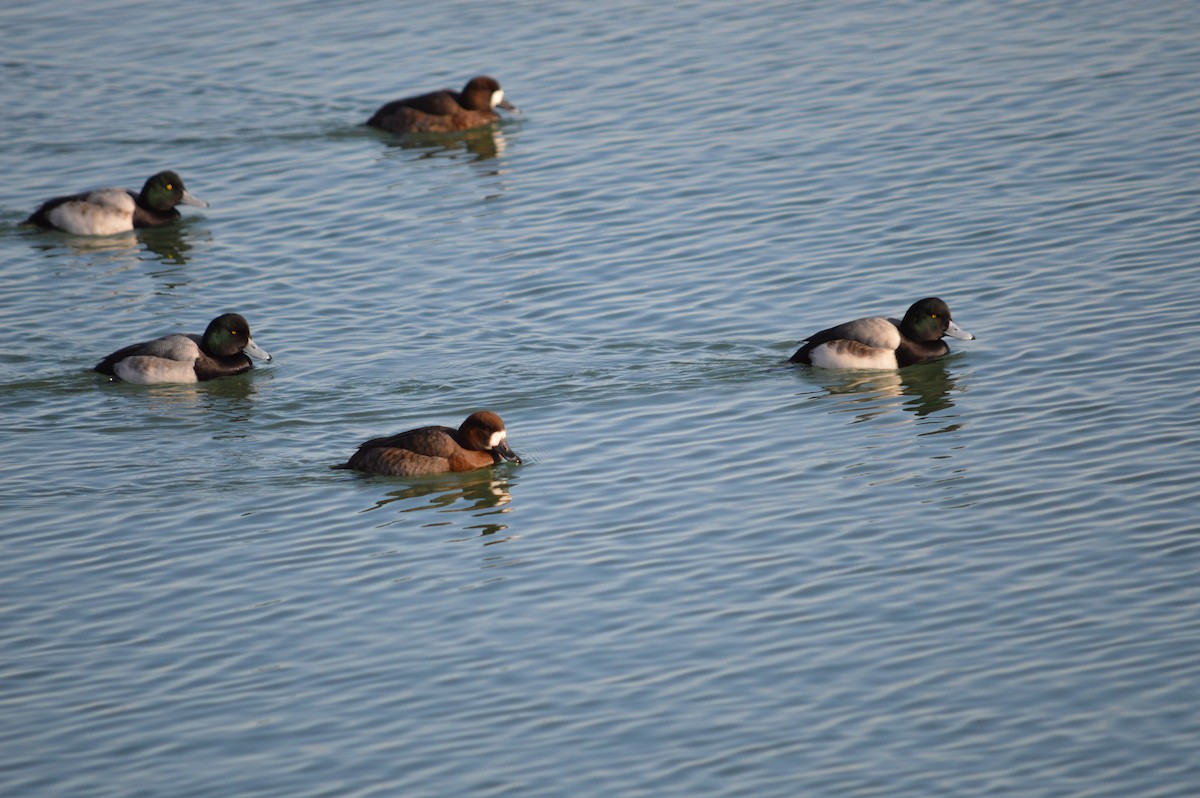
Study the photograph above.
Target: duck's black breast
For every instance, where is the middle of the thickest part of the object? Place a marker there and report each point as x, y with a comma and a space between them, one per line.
911, 352
149, 217
210, 368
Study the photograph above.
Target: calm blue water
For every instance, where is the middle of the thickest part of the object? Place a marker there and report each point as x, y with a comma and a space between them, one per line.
715, 574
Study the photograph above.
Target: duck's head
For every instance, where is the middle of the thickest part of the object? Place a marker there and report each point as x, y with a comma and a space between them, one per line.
229, 334
484, 432
483, 93
165, 190
929, 320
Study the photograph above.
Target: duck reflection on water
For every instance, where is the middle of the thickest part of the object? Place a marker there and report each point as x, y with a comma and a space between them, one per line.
483, 495
924, 390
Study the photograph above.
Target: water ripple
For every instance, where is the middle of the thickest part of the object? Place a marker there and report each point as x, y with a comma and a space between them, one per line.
716, 573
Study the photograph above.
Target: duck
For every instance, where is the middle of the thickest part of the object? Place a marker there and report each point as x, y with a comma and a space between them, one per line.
225, 349
884, 343
446, 110
481, 441
107, 211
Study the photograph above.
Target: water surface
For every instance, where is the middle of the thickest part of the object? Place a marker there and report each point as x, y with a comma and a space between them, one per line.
715, 574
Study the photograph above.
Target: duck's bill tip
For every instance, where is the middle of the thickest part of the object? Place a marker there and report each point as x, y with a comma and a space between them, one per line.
257, 352
191, 199
508, 454
954, 331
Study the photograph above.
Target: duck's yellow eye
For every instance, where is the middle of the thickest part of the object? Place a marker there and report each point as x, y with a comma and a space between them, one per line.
170, 187
933, 315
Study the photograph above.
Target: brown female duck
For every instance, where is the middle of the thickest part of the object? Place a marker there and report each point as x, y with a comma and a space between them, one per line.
480, 442
446, 110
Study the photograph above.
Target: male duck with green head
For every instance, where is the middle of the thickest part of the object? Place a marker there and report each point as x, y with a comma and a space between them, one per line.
106, 211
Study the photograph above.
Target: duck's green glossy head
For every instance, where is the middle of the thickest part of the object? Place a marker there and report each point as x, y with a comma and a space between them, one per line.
229, 334
165, 190
929, 320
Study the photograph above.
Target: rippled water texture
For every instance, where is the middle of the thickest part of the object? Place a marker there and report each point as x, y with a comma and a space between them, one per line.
715, 574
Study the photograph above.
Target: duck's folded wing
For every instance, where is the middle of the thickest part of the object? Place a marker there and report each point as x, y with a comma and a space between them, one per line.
435, 103
102, 212
177, 346
442, 102
396, 462
118, 199
875, 331
428, 441
184, 348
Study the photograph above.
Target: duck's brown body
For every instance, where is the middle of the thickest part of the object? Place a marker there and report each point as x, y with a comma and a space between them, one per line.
444, 111
480, 442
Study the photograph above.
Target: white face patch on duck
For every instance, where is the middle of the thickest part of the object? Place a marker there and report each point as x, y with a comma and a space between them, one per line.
497, 438
497, 97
